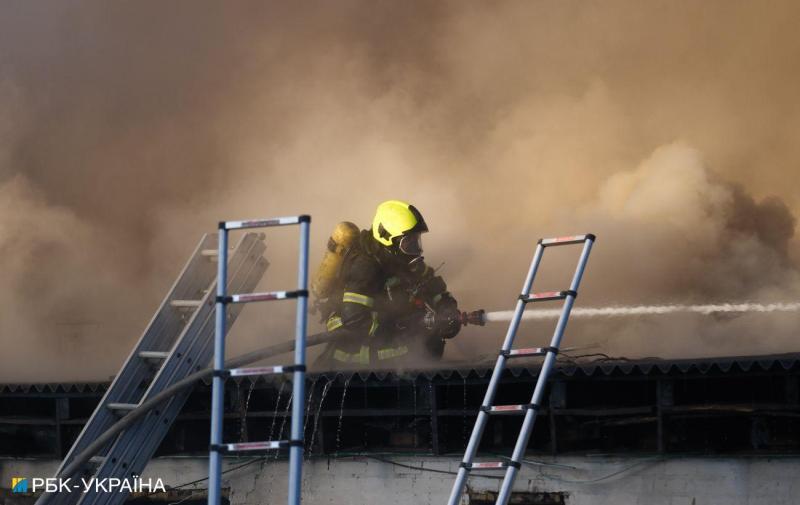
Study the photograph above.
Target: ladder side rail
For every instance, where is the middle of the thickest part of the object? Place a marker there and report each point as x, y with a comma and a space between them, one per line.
218, 384
244, 261
134, 447
541, 383
167, 320
142, 443
145, 370
298, 407
134, 370
483, 417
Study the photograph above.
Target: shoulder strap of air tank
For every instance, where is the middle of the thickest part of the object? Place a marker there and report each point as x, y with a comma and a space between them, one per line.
356, 249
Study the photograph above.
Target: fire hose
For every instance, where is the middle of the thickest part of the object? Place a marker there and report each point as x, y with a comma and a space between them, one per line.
83, 457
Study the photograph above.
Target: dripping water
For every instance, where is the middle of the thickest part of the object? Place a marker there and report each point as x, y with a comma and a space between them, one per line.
275, 412
322, 396
283, 422
308, 403
341, 412
243, 425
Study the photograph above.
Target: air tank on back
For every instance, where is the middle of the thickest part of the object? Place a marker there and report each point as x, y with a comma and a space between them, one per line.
340, 240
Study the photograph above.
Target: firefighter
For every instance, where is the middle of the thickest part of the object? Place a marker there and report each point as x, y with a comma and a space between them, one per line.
393, 307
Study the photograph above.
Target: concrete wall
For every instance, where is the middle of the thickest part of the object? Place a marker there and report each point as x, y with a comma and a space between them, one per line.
587, 480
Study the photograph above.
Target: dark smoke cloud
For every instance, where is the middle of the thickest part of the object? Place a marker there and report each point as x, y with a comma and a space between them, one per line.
128, 129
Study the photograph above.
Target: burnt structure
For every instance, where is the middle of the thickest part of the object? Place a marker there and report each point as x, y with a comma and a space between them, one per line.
701, 406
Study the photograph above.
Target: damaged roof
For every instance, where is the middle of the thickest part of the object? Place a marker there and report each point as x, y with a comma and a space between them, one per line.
602, 365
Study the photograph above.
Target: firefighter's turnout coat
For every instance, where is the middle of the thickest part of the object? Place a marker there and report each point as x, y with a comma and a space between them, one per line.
389, 306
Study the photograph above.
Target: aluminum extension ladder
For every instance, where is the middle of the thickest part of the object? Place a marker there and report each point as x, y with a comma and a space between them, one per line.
512, 466
175, 344
295, 443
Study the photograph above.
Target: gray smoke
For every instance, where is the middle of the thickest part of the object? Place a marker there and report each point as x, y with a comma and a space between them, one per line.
128, 129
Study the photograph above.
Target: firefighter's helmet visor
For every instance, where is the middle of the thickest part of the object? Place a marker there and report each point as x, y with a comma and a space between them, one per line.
411, 244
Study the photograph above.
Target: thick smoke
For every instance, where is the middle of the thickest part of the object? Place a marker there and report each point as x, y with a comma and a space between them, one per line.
668, 129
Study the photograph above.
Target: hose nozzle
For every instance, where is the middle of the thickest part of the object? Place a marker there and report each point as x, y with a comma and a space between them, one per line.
476, 317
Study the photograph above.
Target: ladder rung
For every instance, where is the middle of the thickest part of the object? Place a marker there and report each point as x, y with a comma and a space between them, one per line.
571, 239
154, 354
122, 406
263, 370
186, 304
264, 297
262, 223
252, 446
211, 253
547, 296
528, 351
510, 409
485, 465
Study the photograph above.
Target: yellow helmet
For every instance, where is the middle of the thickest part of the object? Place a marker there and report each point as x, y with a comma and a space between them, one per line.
395, 218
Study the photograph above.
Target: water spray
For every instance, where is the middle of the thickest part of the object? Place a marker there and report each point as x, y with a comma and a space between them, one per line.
640, 310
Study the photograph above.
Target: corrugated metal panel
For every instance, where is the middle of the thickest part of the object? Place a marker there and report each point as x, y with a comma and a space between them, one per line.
604, 367
55, 387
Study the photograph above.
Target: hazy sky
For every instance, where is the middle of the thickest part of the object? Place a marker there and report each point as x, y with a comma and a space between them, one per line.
670, 129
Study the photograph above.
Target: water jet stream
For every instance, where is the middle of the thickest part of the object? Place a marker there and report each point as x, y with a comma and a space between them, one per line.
638, 310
